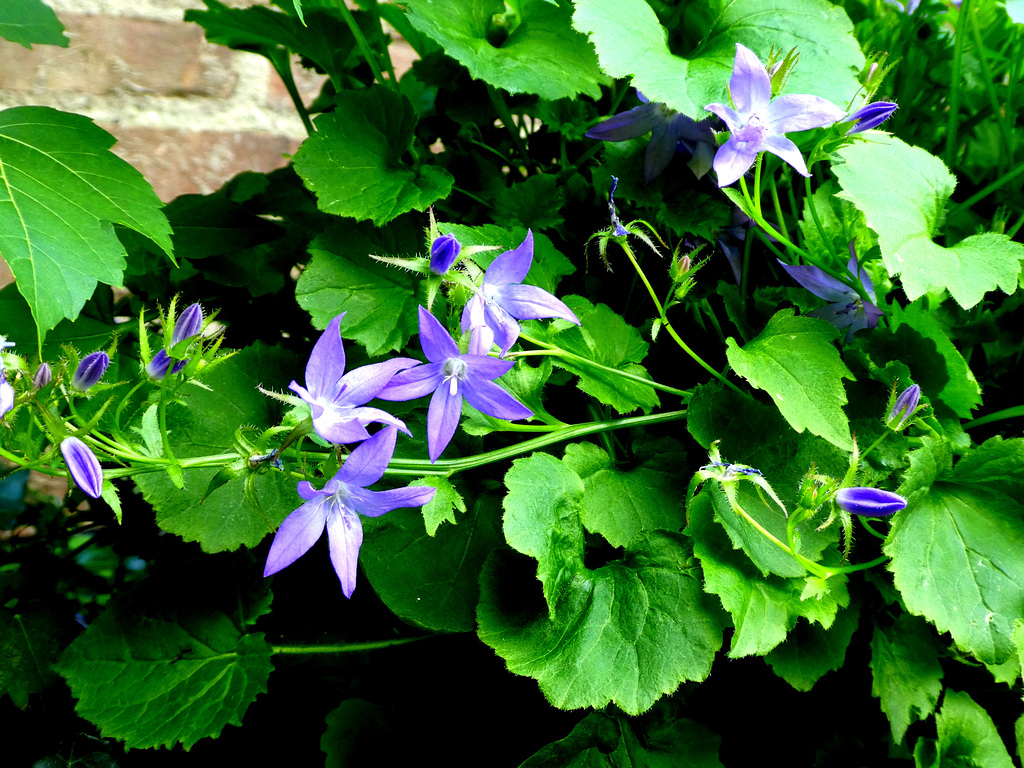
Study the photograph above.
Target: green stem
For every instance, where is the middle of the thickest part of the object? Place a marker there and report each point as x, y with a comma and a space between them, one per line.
510, 125
817, 221
990, 87
282, 64
364, 46
345, 648
777, 205
985, 192
1007, 413
954, 85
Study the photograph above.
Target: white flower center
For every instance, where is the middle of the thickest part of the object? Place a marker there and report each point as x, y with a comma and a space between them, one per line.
454, 372
753, 133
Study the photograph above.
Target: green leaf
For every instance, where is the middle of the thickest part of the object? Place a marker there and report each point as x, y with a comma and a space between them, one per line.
379, 301
534, 202
353, 163
906, 674
622, 505
627, 632
357, 734
30, 641
902, 191
442, 507
605, 338
955, 551
630, 42
810, 651
31, 21
431, 581
793, 360
967, 735
156, 680
542, 53
62, 190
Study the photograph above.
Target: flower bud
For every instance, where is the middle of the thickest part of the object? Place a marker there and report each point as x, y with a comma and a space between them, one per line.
6, 393
42, 376
443, 253
159, 365
869, 116
90, 370
903, 409
188, 324
869, 502
83, 466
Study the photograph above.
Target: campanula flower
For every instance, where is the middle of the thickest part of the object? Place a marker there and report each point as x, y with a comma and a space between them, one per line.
869, 502
451, 376
90, 370
869, 116
159, 365
910, 7
42, 376
757, 122
336, 398
444, 251
188, 324
337, 507
503, 299
670, 131
903, 409
83, 466
6, 392
847, 309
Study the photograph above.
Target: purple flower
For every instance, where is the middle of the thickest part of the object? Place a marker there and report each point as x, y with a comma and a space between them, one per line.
6, 392
188, 324
42, 376
83, 466
335, 397
910, 7
337, 507
869, 116
502, 299
670, 131
90, 370
869, 502
847, 309
451, 376
758, 123
443, 253
159, 365
903, 409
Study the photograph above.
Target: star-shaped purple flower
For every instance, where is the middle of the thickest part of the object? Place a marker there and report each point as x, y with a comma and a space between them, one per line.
503, 299
451, 377
757, 123
670, 131
847, 310
337, 507
336, 398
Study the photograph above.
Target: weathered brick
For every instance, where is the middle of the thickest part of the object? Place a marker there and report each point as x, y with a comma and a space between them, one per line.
110, 55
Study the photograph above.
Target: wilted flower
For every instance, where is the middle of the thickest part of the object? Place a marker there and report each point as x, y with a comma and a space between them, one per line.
83, 466
617, 229
42, 376
869, 502
336, 398
869, 116
188, 324
502, 299
847, 310
757, 123
90, 370
443, 253
6, 393
670, 131
337, 507
903, 409
450, 376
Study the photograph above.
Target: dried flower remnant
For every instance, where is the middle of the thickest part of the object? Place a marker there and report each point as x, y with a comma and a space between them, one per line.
869, 502
43, 376
83, 465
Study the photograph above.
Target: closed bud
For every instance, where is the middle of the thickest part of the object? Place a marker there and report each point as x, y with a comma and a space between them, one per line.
869, 116
83, 465
869, 502
188, 324
6, 393
443, 253
903, 409
90, 370
159, 365
42, 376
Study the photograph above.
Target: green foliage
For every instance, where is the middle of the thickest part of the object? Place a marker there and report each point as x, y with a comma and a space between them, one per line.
354, 161
30, 642
29, 22
810, 651
441, 508
967, 735
62, 190
794, 361
532, 51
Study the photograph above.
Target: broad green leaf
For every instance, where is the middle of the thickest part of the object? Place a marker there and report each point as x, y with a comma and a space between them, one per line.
630, 42
534, 202
157, 680
353, 162
204, 423
379, 300
967, 735
626, 632
793, 360
809, 651
441, 508
620, 505
357, 735
902, 191
29, 22
958, 551
84, 334
541, 54
61, 192
431, 581
30, 641
906, 674
609, 740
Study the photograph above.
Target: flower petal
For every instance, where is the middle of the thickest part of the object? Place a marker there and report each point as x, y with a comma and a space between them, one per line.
326, 362
442, 418
487, 397
729, 115
749, 86
377, 503
782, 147
660, 150
628, 125
528, 302
732, 160
484, 367
821, 284
299, 531
869, 502
83, 465
436, 343
345, 532
801, 112
362, 385
367, 462
506, 329
511, 266
414, 383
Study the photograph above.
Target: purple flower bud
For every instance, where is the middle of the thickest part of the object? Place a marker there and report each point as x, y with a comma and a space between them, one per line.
904, 407
83, 466
870, 116
159, 365
6, 393
443, 253
42, 376
189, 324
869, 502
90, 370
